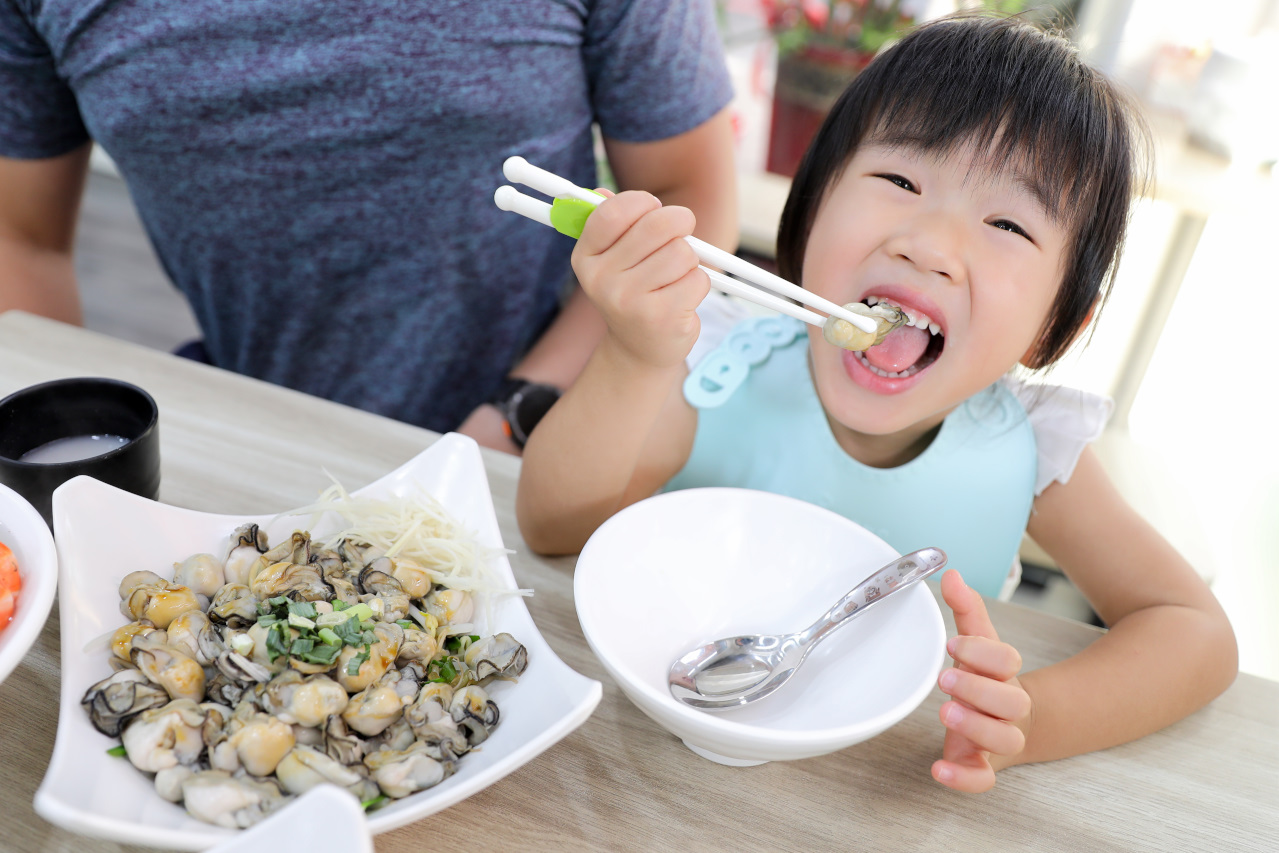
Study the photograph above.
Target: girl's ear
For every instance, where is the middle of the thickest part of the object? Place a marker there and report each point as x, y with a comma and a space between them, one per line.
1030, 359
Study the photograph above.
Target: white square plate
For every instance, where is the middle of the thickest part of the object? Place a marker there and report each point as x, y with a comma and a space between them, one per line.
104, 533
325, 818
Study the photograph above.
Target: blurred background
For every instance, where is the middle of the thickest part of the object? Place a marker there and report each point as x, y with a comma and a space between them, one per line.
1183, 345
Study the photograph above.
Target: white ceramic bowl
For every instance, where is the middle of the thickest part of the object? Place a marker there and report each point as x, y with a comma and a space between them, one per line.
325, 819
28, 537
685, 568
103, 533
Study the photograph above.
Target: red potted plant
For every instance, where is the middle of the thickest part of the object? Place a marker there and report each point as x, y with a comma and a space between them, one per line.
821, 46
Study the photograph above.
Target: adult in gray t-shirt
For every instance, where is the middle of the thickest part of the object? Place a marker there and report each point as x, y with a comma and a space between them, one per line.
317, 178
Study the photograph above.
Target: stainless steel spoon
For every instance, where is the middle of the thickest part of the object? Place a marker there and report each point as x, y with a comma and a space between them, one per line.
736, 671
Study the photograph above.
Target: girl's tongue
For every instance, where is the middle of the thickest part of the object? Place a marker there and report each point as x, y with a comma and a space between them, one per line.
900, 349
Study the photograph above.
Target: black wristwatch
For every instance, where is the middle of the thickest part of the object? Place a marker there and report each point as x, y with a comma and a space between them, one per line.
523, 404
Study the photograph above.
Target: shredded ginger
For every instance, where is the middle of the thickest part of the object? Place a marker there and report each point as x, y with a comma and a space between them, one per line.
417, 527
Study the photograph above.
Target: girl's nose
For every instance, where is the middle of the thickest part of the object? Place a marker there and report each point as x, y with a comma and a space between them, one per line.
931, 242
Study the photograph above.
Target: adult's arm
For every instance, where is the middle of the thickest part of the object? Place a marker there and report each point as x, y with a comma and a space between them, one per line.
39, 206
694, 169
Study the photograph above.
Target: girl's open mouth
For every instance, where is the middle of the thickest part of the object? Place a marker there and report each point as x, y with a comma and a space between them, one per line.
907, 350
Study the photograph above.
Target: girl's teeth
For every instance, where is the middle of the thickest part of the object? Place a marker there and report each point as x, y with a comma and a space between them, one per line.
919, 321
910, 371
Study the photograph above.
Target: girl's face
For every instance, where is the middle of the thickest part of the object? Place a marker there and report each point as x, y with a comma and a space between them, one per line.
970, 253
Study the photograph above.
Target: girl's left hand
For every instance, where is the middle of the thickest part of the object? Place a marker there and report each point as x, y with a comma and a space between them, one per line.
989, 708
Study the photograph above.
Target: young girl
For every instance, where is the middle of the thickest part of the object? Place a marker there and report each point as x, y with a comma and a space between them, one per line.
977, 175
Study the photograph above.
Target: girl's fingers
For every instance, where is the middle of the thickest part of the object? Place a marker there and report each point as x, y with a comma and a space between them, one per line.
1002, 699
667, 265
956, 747
986, 733
969, 608
656, 230
988, 657
612, 219
652, 229
670, 274
971, 778
985, 694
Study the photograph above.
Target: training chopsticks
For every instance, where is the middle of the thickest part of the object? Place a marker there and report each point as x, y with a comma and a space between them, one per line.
573, 204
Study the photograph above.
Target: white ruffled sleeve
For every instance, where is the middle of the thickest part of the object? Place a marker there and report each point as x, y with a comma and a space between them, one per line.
719, 313
1065, 421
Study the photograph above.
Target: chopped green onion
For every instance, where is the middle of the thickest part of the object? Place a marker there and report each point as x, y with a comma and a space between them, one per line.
322, 654
444, 671
328, 620
376, 802
241, 643
301, 646
362, 610
268, 619
459, 642
406, 624
339, 604
277, 641
305, 609
117, 751
353, 665
329, 638
301, 621
349, 632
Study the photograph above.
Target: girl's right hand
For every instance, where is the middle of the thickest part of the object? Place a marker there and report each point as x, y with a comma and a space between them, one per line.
989, 709
633, 262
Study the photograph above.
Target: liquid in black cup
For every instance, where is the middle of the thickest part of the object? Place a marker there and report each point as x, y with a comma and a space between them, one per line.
66, 408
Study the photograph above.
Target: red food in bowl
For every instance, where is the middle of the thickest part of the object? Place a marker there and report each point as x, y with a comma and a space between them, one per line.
10, 584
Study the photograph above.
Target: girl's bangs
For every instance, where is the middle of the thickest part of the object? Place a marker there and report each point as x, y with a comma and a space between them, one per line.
1044, 119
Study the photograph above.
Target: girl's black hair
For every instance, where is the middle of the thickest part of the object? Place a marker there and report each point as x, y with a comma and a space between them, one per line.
1026, 98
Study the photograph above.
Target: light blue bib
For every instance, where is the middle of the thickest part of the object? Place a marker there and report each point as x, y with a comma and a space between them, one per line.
761, 426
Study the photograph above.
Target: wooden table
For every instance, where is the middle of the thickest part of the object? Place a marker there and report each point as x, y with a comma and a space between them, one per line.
620, 782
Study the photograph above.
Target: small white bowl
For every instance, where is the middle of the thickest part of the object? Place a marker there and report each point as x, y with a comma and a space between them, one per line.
685, 568
26, 534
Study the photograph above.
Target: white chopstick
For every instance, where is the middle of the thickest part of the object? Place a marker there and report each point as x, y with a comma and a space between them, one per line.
509, 198
520, 171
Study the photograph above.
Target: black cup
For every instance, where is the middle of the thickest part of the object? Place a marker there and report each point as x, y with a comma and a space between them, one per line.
64, 408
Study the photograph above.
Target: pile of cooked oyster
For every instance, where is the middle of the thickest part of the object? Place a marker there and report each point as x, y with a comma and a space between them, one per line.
250, 679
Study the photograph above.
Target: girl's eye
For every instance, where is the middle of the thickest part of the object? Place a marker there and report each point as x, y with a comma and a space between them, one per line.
898, 180
1005, 225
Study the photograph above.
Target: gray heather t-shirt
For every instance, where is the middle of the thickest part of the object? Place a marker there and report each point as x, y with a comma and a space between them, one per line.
317, 177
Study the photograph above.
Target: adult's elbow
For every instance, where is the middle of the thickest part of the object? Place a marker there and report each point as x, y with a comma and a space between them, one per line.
38, 282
